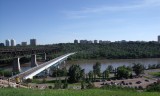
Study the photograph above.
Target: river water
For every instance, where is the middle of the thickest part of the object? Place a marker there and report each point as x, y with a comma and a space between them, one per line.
88, 64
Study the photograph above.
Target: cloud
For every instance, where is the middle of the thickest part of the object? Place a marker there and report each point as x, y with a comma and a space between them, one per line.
76, 14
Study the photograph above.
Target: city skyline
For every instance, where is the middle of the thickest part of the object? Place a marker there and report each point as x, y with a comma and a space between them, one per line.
55, 21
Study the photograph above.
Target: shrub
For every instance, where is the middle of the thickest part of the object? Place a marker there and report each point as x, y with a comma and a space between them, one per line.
153, 87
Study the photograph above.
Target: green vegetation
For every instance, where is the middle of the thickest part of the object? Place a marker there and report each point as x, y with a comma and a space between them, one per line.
126, 50
57, 72
97, 69
114, 87
123, 72
75, 74
5, 73
157, 74
153, 87
114, 50
88, 92
138, 69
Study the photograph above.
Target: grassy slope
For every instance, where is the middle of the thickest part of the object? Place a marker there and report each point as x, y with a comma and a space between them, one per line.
88, 92
157, 74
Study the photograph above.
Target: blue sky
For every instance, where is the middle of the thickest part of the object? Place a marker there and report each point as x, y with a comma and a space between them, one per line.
57, 21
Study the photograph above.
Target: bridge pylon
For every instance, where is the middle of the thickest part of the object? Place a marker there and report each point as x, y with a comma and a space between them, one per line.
33, 60
44, 56
16, 65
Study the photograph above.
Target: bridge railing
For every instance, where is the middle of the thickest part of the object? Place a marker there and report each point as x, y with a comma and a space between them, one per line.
49, 63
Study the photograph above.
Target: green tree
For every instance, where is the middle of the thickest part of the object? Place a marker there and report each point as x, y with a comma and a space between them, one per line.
65, 85
138, 69
123, 72
82, 84
110, 68
106, 74
90, 75
74, 74
97, 69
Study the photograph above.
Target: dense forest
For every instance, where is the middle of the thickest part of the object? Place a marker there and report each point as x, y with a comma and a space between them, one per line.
125, 50
114, 50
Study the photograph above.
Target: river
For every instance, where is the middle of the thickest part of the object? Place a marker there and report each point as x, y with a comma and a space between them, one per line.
88, 64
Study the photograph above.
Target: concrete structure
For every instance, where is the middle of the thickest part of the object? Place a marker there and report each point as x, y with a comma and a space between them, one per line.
33, 42
83, 41
75, 41
16, 65
1, 44
44, 56
13, 42
95, 41
24, 43
159, 39
90, 42
47, 65
33, 61
104, 42
7, 42
86, 41
100, 41
36, 70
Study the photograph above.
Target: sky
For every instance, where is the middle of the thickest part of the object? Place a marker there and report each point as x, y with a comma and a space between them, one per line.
62, 21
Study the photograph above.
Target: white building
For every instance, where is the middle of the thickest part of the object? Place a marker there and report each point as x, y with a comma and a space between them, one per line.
13, 42
7, 42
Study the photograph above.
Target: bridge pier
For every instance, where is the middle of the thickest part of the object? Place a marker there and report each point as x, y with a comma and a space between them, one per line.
44, 56
33, 61
47, 71
16, 65
64, 62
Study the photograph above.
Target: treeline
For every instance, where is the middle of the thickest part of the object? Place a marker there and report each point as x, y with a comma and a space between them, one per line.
10, 60
114, 50
126, 50
75, 74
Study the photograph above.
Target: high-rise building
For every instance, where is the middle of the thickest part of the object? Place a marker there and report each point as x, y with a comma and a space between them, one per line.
75, 41
83, 41
1, 44
159, 39
13, 42
90, 42
95, 41
7, 42
24, 43
100, 41
33, 42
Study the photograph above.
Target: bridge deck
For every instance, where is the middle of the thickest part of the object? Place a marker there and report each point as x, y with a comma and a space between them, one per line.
35, 70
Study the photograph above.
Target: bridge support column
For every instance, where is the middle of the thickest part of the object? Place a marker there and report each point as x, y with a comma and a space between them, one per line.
44, 56
33, 61
47, 71
16, 65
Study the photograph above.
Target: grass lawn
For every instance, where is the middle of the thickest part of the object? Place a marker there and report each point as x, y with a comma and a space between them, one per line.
157, 74
86, 92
